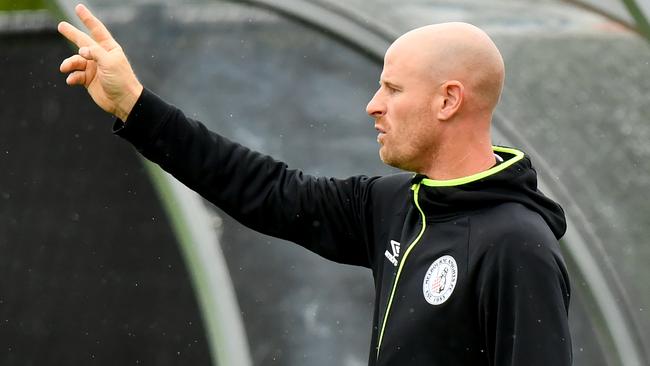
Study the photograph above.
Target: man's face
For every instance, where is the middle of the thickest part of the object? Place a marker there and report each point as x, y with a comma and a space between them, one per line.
403, 110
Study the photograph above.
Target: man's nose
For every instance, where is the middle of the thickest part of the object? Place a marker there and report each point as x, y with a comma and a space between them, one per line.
376, 108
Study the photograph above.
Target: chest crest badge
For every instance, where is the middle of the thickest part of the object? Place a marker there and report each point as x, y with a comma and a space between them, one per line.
440, 280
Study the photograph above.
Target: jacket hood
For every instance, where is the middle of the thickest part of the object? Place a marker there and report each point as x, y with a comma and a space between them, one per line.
513, 180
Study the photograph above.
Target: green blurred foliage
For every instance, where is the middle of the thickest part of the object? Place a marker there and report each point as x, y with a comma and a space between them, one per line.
642, 23
9, 5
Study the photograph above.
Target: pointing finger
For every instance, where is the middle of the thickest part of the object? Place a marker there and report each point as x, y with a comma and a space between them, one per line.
98, 31
74, 35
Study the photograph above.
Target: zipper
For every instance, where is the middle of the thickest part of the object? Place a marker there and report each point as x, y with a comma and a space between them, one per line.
416, 189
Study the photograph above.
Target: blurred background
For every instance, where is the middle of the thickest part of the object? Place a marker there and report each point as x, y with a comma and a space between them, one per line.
106, 260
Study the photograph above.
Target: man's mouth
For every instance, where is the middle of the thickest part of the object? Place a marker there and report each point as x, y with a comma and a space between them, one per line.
380, 133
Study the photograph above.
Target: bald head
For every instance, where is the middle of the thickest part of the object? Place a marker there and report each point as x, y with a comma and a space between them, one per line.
436, 96
454, 51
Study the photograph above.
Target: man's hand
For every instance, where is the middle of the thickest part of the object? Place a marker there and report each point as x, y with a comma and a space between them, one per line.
101, 66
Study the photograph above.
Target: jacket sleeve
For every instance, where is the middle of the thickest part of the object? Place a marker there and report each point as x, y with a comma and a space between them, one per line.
523, 298
325, 215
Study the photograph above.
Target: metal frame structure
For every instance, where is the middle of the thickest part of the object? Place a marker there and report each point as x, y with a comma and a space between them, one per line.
584, 247
641, 23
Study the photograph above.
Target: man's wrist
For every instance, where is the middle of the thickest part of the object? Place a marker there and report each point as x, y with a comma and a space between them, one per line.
126, 104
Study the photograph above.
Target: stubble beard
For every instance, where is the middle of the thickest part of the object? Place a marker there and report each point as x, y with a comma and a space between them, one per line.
411, 157
410, 151
396, 159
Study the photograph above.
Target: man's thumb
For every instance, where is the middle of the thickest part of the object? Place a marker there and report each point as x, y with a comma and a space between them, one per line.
93, 53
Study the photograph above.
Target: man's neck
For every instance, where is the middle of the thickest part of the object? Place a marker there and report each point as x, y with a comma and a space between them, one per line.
459, 161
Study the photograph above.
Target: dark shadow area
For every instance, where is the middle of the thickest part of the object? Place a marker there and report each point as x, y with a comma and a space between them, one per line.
90, 272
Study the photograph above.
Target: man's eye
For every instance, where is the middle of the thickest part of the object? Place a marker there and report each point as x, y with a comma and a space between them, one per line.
390, 88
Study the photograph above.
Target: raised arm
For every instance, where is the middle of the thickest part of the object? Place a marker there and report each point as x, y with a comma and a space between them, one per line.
101, 66
327, 216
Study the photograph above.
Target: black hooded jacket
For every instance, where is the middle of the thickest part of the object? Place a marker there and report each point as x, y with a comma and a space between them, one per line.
468, 272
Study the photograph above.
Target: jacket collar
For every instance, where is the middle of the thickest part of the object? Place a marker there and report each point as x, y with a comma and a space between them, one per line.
510, 157
512, 181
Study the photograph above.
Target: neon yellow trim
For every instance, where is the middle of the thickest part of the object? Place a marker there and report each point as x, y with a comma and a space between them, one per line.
416, 189
518, 155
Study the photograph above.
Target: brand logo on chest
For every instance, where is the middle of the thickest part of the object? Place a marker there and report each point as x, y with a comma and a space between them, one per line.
440, 280
392, 257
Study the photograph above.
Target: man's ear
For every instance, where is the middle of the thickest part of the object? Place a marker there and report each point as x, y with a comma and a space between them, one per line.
453, 94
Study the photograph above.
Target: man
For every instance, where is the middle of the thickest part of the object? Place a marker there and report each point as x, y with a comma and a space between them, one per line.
463, 250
